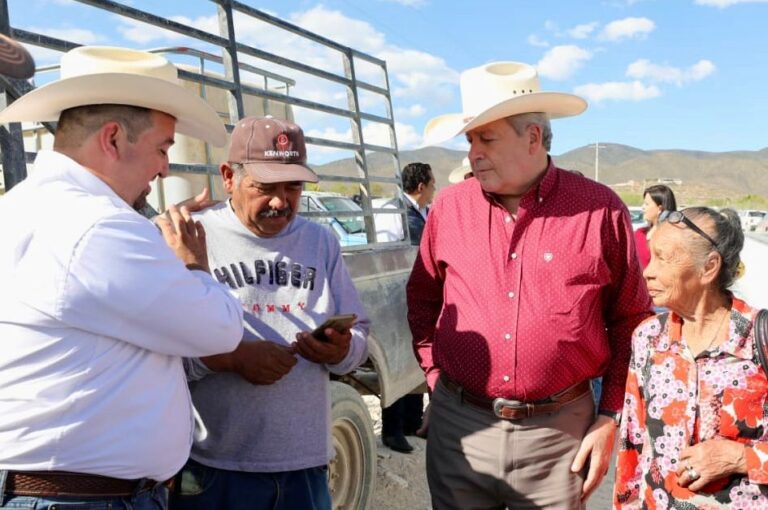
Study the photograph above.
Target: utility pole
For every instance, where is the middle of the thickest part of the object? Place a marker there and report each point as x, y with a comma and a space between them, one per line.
597, 160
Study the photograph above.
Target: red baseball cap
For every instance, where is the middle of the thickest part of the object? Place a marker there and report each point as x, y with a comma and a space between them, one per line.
271, 150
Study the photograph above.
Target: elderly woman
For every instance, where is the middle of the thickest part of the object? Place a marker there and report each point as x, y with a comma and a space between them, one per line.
656, 200
694, 431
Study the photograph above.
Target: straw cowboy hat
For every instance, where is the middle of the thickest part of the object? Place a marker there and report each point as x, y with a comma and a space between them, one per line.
459, 173
92, 75
497, 90
15, 60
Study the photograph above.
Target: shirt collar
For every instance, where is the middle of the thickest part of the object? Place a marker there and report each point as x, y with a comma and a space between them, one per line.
740, 338
52, 165
415, 204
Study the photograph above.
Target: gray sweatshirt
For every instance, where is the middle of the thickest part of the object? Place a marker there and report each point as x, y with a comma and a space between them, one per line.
288, 283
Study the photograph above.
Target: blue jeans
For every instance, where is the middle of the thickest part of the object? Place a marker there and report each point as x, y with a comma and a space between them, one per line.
200, 487
155, 499
597, 391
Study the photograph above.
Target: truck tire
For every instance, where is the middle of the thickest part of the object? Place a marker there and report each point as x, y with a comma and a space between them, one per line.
352, 473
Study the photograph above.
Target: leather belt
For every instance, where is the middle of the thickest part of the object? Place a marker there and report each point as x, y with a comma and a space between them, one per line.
63, 483
514, 409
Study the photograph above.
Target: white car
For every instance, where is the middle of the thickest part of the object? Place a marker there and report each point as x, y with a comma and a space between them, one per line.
751, 218
636, 217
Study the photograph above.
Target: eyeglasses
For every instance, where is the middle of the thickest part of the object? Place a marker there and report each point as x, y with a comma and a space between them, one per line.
675, 217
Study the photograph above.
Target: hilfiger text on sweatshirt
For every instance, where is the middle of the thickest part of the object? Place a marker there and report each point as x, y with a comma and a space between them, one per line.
266, 272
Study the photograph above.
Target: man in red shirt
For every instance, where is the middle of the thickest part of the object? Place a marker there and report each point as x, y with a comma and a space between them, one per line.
526, 286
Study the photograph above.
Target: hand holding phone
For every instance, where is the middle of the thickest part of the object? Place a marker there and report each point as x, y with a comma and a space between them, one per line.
338, 322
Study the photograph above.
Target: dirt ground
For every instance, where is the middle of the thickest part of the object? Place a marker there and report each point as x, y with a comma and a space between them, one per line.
401, 482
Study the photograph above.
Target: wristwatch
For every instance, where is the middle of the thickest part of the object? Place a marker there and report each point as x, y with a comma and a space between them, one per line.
616, 417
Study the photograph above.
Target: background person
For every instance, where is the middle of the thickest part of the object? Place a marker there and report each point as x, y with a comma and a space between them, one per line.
403, 418
266, 406
95, 310
656, 199
693, 431
526, 286
419, 190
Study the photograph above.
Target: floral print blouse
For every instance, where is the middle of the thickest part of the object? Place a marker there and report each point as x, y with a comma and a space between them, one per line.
673, 400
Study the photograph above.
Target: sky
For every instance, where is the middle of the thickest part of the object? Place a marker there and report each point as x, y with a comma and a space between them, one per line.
658, 74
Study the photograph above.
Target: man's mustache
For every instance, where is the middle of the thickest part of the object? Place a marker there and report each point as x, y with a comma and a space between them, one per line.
275, 213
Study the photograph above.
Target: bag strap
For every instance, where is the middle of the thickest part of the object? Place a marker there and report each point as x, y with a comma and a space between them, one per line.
761, 338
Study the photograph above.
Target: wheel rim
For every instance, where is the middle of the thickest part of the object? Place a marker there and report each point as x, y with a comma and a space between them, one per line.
345, 473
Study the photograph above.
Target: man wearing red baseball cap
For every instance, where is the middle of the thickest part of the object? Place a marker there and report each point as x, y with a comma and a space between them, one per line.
266, 407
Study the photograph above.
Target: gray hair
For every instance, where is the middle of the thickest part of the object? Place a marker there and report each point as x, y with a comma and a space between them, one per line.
521, 122
238, 170
728, 236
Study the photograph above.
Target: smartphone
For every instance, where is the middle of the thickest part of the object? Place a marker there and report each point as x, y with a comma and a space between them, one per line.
337, 322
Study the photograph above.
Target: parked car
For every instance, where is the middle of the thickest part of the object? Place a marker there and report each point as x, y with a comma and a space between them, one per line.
636, 217
750, 218
763, 225
350, 230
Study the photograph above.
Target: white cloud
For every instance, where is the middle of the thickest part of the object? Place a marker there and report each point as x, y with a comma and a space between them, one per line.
419, 75
722, 4
551, 25
378, 134
373, 133
582, 31
617, 91
340, 28
75, 35
415, 110
535, 40
45, 56
419, 81
561, 62
627, 28
413, 73
143, 33
644, 69
701, 69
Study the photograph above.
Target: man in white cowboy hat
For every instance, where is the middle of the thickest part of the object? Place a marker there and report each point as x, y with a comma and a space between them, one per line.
461, 172
526, 286
96, 311
266, 406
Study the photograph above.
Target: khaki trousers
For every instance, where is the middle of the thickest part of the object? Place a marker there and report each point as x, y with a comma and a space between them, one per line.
478, 461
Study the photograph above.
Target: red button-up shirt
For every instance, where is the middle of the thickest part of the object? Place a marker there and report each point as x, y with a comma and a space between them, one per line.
523, 308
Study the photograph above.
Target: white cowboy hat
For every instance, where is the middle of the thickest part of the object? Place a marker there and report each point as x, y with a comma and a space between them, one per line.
459, 173
497, 90
92, 75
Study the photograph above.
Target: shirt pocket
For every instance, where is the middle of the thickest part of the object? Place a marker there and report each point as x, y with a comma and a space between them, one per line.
572, 298
574, 282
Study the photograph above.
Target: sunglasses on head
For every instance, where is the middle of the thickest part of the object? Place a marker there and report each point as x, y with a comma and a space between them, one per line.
675, 217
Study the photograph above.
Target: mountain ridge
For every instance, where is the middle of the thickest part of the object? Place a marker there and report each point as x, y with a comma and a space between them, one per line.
727, 174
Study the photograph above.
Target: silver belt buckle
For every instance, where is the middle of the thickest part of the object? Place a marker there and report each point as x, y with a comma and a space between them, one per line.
498, 403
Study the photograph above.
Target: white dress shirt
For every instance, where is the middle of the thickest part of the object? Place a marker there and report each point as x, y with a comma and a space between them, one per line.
95, 314
389, 227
